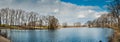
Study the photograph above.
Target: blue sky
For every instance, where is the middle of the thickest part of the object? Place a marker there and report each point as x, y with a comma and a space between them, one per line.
69, 11
87, 2
100, 3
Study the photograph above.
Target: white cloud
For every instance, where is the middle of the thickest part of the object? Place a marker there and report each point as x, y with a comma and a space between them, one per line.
98, 14
63, 11
70, 12
81, 16
56, 10
40, 6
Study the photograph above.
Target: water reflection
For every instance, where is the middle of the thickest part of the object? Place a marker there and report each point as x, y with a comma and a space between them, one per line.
52, 34
62, 35
32, 36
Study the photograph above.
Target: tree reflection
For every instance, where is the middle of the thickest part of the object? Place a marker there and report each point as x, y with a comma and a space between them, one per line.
52, 34
32, 36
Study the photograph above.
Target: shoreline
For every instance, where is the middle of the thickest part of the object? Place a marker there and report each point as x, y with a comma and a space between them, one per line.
3, 39
113, 39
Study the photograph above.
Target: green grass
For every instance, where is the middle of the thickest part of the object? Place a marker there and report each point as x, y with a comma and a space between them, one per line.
4, 26
8, 26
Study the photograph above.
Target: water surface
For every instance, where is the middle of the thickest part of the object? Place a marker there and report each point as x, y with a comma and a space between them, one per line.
62, 35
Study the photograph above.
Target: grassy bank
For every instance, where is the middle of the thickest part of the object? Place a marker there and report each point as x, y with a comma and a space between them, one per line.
22, 27
116, 36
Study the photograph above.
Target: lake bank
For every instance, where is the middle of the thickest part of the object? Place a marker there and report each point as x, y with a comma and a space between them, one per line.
3, 39
116, 36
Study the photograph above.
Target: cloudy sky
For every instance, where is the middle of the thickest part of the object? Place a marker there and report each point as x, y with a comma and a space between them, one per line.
65, 10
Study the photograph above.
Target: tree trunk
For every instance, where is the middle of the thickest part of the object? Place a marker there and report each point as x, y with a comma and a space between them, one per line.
119, 23
0, 20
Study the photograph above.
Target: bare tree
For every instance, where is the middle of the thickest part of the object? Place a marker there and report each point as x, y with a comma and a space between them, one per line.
114, 8
77, 24
20, 17
53, 22
64, 24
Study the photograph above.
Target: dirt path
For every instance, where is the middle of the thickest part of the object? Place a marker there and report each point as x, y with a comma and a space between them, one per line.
2, 39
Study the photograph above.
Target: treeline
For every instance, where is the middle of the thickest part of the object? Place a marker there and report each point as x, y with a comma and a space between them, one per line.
106, 20
112, 19
75, 24
19, 17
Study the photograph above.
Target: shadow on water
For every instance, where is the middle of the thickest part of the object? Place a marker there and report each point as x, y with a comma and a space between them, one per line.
0, 31
100, 41
3, 32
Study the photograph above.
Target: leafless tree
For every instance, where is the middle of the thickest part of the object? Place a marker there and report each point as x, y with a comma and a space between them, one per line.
53, 22
20, 17
65, 24
77, 24
114, 8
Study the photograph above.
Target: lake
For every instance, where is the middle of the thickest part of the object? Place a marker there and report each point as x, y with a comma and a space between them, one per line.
61, 35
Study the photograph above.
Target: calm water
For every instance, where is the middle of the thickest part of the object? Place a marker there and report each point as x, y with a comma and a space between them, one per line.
62, 35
